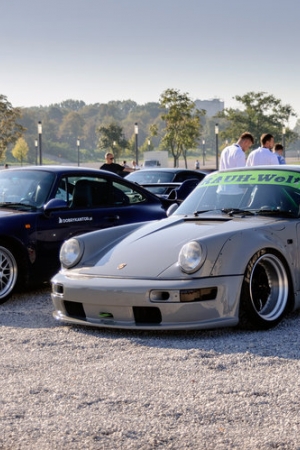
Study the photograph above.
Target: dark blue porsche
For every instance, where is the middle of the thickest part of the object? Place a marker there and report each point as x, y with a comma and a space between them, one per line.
42, 206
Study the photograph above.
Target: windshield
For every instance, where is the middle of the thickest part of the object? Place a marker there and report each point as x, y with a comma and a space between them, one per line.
151, 176
259, 191
26, 187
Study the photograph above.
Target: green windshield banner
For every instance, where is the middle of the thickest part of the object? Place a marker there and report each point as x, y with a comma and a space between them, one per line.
269, 177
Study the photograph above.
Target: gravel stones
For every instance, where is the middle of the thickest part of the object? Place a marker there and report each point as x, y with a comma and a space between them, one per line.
66, 387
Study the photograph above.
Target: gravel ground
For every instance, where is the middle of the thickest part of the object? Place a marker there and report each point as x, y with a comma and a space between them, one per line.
67, 388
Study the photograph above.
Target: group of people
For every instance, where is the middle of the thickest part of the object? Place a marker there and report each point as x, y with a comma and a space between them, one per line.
119, 169
268, 153
232, 156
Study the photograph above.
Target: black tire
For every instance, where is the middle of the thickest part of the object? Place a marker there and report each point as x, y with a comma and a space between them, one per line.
8, 273
265, 291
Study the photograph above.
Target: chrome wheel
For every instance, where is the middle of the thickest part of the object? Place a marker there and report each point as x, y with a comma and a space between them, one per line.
265, 291
8, 273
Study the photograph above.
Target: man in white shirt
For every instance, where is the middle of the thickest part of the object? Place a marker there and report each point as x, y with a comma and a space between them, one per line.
234, 155
263, 155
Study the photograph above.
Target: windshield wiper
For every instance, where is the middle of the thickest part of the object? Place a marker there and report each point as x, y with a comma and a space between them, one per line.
232, 211
276, 212
196, 213
16, 205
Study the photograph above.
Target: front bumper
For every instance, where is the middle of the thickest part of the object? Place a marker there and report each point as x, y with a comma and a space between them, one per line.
147, 304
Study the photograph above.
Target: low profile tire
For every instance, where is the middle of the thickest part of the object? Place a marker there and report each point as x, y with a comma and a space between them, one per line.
265, 291
8, 274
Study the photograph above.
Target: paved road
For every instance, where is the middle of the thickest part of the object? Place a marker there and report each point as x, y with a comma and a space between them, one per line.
65, 387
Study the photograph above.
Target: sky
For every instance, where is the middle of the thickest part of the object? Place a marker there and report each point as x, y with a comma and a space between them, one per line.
103, 50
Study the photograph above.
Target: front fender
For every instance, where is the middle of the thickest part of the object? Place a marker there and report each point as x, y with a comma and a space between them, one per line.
240, 247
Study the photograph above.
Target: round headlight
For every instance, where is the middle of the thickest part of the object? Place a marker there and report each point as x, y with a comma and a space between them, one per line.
191, 257
71, 253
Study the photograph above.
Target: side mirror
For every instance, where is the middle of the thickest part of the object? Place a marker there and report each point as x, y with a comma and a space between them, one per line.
172, 209
54, 204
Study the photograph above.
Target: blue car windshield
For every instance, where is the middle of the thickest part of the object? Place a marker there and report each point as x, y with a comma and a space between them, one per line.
262, 190
26, 187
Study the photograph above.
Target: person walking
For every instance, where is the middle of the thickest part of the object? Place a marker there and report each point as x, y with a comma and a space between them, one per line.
278, 151
197, 164
263, 155
234, 155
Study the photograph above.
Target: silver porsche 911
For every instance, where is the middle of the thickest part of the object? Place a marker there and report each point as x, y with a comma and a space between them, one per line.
229, 255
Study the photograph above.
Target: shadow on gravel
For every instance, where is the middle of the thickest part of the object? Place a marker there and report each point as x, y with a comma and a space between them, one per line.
33, 309
281, 341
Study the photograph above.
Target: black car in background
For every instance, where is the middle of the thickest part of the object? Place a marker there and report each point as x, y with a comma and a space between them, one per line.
167, 182
42, 206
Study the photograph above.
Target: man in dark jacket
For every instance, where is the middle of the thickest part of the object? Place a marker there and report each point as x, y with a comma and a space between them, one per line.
111, 166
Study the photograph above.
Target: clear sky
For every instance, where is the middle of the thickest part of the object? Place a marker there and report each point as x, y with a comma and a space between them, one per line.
103, 50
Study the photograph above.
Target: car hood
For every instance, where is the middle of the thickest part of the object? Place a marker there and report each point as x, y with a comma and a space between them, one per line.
152, 249
12, 212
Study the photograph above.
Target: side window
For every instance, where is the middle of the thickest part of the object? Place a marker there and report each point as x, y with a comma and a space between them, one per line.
181, 177
65, 189
90, 192
125, 195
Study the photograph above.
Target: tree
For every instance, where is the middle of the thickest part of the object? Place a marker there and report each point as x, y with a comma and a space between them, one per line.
112, 139
182, 123
20, 150
10, 130
262, 113
71, 127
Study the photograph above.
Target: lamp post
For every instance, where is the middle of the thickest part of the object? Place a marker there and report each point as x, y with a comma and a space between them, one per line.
40, 141
36, 151
203, 152
283, 139
149, 143
217, 145
78, 151
136, 132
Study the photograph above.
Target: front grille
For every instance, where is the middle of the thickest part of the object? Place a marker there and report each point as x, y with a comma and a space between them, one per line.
75, 309
146, 315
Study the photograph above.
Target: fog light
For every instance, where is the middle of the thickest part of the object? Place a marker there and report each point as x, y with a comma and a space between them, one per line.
198, 295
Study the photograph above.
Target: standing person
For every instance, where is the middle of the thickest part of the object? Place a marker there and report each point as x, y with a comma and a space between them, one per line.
135, 166
114, 167
263, 155
234, 155
278, 151
197, 164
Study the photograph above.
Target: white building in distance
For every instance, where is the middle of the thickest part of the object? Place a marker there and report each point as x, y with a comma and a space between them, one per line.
212, 107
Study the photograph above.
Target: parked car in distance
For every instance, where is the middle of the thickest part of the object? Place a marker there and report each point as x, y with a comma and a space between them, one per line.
162, 181
229, 255
151, 163
42, 206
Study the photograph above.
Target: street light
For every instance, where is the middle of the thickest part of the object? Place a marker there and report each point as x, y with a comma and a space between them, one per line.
217, 145
78, 150
36, 151
136, 131
149, 143
283, 139
203, 151
40, 141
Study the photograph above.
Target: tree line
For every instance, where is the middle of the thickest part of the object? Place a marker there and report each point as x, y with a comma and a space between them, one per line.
173, 124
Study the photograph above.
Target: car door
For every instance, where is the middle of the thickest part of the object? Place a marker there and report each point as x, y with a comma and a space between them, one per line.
90, 203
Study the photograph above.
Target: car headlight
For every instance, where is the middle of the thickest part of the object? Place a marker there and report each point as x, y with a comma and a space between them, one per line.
71, 252
191, 257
